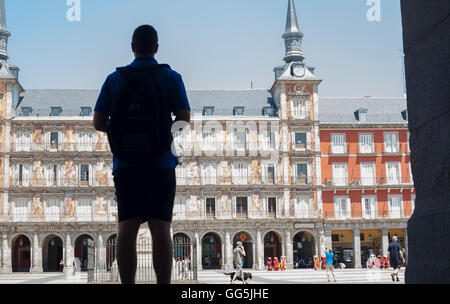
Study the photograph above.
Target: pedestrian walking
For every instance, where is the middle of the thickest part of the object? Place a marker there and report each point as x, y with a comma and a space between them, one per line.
135, 108
396, 259
179, 268
316, 263
238, 254
61, 265
329, 255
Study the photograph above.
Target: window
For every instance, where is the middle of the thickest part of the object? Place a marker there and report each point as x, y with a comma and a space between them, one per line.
238, 111
21, 211
209, 140
179, 208
395, 206
22, 175
267, 111
393, 173
391, 142
210, 208
241, 138
181, 174
241, 207
302, 173
338, 143
300, 140
240, 173
84, 175
272, 207
340, 177
368, 174
361, 115
84, 210
26, 111
55, 111
369, 207
405, 115
54, 140
269, 171
51, 173
342, 207
209, 173
299, 109
366, 143
302, 207
52, 210
268, 140
85, 111
112, 208
22, 141
208, 111
85, 141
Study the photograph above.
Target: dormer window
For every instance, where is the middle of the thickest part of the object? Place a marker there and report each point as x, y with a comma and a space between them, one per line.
405, 115
85, 111
238, 111
56, 111
26, 111
267, 111
208, 111
361, 115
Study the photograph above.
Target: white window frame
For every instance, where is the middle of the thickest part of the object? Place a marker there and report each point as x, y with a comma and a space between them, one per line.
52, 213
389, 145
209, 173
340, 180
340, 148
392, 213
23, 141
302, 206
180, 173
85, 141
112, 208
179, 210
276, 173
394, 180
308, 172
373, 205
240, 173
247, 215
368, 180
266, 199
83, 210
299, 108
21, 213
366, 147
338, 212
215, 206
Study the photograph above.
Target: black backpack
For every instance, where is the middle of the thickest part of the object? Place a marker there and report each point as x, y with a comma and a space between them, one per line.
139, 127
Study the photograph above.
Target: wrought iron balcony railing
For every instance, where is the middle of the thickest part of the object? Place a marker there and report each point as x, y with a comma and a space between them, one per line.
368, 182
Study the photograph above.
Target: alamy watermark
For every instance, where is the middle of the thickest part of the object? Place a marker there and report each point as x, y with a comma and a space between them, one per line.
374, 11
74, 12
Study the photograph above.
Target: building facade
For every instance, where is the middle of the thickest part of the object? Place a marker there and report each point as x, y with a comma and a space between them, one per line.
256, 167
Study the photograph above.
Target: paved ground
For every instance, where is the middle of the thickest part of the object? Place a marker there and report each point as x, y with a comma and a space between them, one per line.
306, 276
298, 276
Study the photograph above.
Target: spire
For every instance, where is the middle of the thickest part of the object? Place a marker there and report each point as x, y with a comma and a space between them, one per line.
4, 33
292, 36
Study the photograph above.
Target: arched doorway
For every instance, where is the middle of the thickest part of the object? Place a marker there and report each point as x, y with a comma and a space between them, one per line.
181, 246
211, 252
303, 250
247, 242
272, 246
21, 254
52, 254
81, 251
111, 243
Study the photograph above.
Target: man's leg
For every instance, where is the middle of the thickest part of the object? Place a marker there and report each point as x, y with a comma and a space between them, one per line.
126, 250
162, 250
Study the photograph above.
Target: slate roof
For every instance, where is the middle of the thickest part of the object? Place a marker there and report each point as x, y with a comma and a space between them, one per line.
332, 110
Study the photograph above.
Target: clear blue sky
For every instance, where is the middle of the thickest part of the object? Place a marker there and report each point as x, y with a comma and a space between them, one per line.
214, 44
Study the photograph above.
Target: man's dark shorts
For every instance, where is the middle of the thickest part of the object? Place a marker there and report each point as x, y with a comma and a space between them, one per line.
145, 193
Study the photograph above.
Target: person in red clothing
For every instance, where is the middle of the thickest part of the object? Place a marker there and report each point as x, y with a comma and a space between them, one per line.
323, 262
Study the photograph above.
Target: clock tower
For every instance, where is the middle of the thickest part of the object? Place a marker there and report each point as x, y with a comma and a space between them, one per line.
295, 93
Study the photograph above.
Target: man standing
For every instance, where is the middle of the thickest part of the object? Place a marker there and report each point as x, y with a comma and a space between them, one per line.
395, 256
329, 256
145, 187
238, 254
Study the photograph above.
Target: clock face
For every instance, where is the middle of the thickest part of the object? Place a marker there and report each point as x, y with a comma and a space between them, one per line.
298, 70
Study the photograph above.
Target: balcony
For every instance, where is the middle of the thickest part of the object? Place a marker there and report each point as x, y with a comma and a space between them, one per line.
367, 182
341, 150
62, 182
59, 217
62, 147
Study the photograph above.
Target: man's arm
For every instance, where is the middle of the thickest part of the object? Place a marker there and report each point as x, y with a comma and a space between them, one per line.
183, 115
100, 120
401, 255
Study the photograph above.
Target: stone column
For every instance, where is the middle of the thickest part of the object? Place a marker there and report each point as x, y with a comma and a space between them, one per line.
69, 256
384, 241
289, 252
199, 252
228, 261
36, 261
259, 250
327, 243
101, 255
357, 247
6, 253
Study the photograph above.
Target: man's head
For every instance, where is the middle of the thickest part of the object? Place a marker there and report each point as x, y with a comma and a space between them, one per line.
239, 243
395, 238
145, 41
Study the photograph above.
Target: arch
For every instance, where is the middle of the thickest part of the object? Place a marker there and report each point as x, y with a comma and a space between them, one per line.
111, 243
304, 245
247, 241
52, 253
272, 245
21, 253
211, 251
181, 246
81, 251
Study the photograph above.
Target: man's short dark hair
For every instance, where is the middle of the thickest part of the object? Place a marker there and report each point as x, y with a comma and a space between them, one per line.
145, 39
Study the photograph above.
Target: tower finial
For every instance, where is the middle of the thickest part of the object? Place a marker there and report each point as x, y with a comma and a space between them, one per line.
4, 33
293, 36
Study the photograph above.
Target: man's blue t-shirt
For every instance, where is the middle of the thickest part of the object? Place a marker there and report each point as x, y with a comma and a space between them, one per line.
175, 92
329, 258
